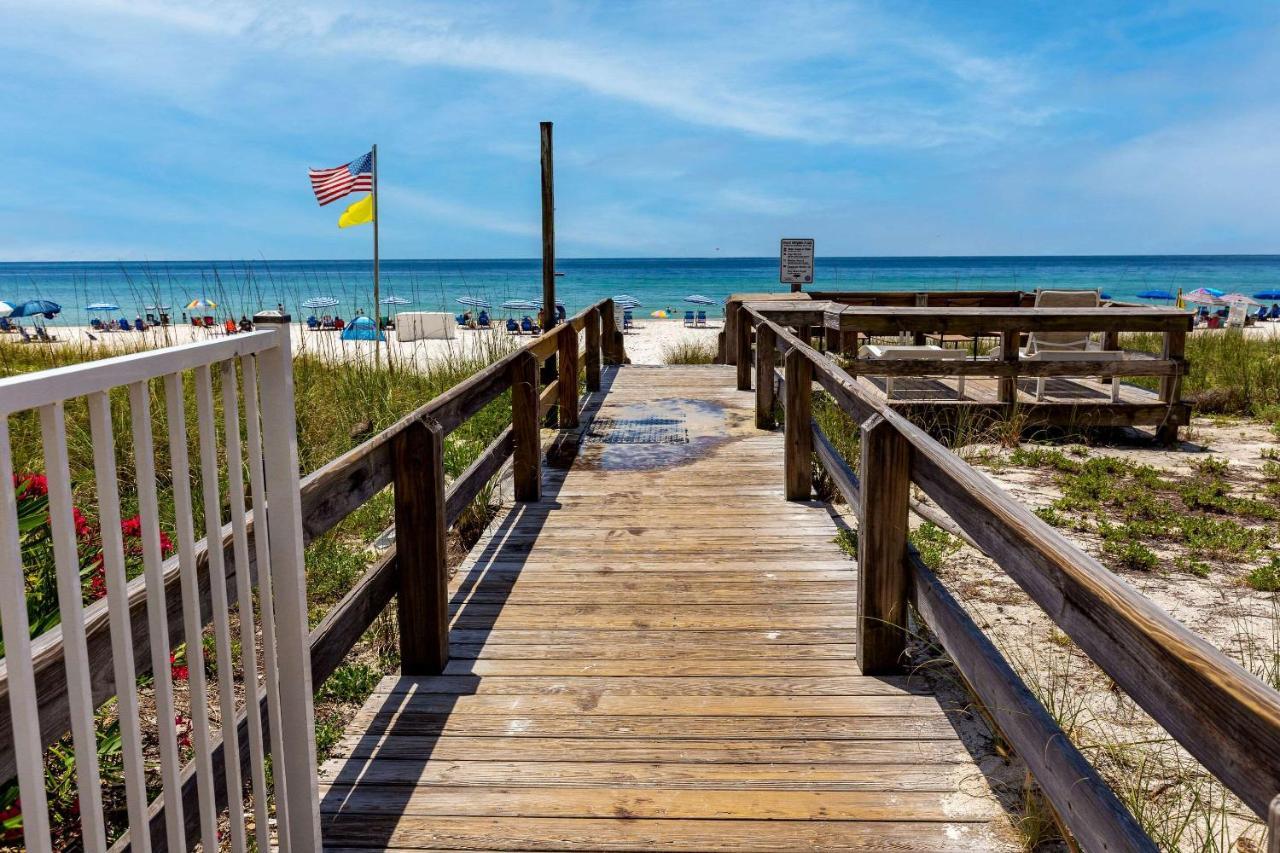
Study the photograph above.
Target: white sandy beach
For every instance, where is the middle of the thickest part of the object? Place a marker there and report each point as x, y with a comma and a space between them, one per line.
645, 344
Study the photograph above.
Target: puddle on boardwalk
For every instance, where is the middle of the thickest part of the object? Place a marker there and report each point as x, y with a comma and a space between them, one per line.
657, 434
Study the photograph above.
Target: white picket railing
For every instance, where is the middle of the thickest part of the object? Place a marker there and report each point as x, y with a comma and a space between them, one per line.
258, 431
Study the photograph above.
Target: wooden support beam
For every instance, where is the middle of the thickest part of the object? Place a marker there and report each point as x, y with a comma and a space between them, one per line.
1009, 342
568, 378
743, 349
798, 437
882, 547
765, 354
1175, 346
423, 603
527, 466
1273, 827
593, 349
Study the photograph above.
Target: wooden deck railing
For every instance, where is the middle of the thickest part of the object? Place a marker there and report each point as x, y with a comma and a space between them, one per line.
408, 456
1222, 715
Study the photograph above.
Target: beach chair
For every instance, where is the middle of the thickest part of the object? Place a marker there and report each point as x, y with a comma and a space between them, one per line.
513, 327
26, 338
138, 325
628, 321
339, 324
1067, 346
483, 320
702, 318
312, 323
932, 352
1274, 314
151, 319
43, 334
688, 318
230, 326
95, 324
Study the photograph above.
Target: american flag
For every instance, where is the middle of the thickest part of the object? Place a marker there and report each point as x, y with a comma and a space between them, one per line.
332, 184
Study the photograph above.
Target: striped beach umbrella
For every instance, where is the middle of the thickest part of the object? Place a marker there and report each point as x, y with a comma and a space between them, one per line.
699, 299
102, 306
473, 302
395, 300
201, 304
317, 302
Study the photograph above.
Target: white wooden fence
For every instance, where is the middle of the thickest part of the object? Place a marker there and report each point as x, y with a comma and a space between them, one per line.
258, 433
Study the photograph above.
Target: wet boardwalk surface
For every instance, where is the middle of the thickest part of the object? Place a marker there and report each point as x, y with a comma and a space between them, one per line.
659, 655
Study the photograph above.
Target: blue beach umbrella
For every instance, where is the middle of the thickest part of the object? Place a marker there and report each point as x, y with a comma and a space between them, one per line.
1157, 294
1273, 295
699, 299
473, 301
320, 302
34, 307
102, 306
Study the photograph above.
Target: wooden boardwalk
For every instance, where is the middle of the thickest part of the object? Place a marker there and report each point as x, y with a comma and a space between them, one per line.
659, 655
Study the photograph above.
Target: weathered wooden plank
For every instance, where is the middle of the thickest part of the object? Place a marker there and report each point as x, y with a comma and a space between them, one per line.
657, 750
885, 320
622, 836
720, 685
640, 803
676, 706
539, 663
605, 728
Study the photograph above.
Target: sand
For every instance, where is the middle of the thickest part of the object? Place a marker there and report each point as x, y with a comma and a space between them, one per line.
645, 344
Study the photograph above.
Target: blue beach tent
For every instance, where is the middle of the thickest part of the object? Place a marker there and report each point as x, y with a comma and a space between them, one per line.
1157, 294
1270, 295
362, 329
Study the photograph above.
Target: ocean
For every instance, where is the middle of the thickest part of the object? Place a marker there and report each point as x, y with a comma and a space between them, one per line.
242, 287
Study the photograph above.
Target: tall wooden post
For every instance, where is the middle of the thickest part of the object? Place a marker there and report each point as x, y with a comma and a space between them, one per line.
797, 429
1008, 385
527, 463
1273, 826
922, 301
377, 306
593, 349
766, 343
568, 348
423, 602
743, 349
549, 314
882, 547
1175, 347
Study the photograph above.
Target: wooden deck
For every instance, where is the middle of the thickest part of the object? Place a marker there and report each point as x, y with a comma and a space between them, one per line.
658, 655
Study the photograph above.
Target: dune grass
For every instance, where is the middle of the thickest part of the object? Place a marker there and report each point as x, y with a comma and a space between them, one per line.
1231, 372
689, 352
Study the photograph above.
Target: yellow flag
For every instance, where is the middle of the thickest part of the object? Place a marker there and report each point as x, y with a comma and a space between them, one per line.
358, 213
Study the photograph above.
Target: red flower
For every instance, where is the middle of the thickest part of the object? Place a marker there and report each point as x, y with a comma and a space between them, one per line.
179, 671
183, 724
83, 528
166, 545
32, 485
98, 580
132, 529
132, 526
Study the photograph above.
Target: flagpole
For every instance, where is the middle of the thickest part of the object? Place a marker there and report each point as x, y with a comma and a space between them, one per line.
377, 307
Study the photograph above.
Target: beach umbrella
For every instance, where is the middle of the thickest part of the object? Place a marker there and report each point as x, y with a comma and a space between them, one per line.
1205, 296
473, 302
1270, 295
102, 306
1241, 298
158, 307
1156, 294
34, 307
5, 309
395, 300
201, 304
316, 302
522, 305
699, 299
624, 300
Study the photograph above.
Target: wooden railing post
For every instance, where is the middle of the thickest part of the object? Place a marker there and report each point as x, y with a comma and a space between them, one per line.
882, 547
567, 346
614, 351
743, 349
797, 434
766, 344
527, 455
1008, 385
593, 349
423, 603
1175, 346
1110, 342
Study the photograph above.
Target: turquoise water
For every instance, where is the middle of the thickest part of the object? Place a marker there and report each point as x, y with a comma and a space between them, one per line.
247, 286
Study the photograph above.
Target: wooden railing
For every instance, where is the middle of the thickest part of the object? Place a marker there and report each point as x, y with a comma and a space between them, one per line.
408, 456
1222, 715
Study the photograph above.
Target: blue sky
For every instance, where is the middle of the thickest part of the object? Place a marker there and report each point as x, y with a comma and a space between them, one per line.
136, 129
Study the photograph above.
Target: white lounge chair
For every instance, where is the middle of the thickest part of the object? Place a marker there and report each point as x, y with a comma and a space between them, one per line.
1068, 346
887, 352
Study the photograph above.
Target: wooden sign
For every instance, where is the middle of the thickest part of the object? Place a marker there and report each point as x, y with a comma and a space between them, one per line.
795, 262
